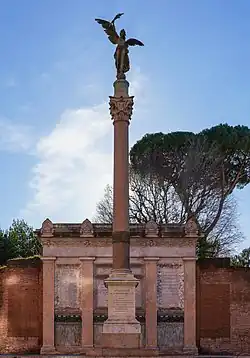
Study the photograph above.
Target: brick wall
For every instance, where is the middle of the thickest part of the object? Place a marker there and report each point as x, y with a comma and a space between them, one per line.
223, 307
21, 306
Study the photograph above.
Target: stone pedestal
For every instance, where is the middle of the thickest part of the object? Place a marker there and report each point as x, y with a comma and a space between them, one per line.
121, 330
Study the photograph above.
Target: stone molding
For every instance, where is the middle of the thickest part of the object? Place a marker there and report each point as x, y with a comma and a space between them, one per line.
170, 242
86, 229
170, 265
151, 229
74, 261
47, 229
151, 259
134, 242
48, 258
189, 259
87, 258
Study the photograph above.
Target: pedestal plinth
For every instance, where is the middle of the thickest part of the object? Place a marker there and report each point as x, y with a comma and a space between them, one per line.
121, 330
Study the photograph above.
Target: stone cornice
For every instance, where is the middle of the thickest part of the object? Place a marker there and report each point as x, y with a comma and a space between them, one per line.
88, 230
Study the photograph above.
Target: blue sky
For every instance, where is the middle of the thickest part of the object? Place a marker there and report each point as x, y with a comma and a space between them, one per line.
56, 73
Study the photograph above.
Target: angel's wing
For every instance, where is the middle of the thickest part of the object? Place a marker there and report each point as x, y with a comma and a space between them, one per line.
109, 28
117, 17
134, 42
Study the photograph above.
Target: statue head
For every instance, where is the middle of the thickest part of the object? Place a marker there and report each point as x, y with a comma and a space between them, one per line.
123, 34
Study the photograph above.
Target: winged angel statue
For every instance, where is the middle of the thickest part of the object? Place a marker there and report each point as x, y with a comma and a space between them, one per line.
122, 45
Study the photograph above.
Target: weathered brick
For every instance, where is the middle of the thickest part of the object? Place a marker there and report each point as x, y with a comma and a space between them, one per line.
21, 307
223, 308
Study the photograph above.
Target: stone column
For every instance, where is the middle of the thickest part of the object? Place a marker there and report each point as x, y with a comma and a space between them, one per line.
151, 301
190, 305
121, 106
121, 330
87, 306
48, 346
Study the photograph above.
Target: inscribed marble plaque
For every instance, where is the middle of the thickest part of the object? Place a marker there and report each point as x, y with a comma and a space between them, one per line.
170, 286
123, 301
67, 286
102, 293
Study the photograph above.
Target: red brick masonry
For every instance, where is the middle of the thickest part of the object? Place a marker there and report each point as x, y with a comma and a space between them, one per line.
223, 307
21, 306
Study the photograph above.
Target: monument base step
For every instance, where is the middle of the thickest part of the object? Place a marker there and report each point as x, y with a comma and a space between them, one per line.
122, 352
48, 350
137, 352
121, 340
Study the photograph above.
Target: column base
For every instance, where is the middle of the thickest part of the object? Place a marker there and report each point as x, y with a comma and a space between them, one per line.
192, 350
47, 350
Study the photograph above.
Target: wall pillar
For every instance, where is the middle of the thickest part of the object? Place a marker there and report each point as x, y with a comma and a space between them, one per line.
87, 305
48, 346
190, 305
151, 301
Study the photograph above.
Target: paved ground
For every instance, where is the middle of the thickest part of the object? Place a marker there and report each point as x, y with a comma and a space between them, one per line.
84, 356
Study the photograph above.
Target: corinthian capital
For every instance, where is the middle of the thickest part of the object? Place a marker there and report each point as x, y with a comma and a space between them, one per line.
121, 108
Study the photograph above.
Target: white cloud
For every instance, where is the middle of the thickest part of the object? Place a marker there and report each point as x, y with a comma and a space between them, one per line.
72, 171
74, 165
14, 137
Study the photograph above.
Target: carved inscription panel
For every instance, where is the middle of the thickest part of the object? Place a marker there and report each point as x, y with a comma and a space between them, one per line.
101, 293
138, 295
170, 286
67, 286
122, 299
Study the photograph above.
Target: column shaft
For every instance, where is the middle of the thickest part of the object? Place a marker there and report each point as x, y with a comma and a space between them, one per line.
121, 110
87, 305
48, 305
121, 185
121, 250
151, 301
